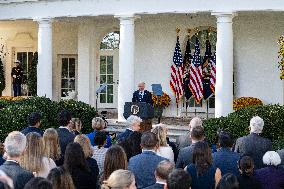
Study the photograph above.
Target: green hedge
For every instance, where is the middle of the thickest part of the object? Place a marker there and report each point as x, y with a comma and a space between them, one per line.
237, 123
13, 114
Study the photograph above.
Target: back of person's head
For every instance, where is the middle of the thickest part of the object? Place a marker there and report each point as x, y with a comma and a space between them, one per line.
85, 143
64, 118
115, 159
256, 125
51, 144
196, 121
76, 123
149, 140
100, 138
60, 178
34, 118
74, 158
98, 123
202, 157
225, 139
161, 131
38, 183
246, 165
271, 158
134, 122
15, 144
179, 179
228, 181
197, 133
163, 169
119, 179
32, 159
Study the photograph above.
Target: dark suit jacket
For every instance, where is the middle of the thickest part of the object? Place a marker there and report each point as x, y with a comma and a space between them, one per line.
254, 146
156, 186
143, 167
123, 136
65, 137
281, 154
147, 97
30, 129
19, 175
185, 156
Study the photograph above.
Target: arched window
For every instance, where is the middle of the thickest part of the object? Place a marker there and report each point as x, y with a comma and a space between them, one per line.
110, 41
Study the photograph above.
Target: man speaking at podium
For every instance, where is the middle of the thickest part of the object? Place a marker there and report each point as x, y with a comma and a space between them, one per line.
142, 95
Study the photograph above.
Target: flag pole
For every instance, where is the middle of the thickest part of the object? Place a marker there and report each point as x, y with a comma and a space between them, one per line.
207, 108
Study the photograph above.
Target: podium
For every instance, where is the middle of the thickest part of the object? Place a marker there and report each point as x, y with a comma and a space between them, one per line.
141, 109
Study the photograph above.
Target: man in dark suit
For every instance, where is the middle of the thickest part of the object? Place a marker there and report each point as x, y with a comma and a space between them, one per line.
34, 124
65, 134
254, 145
162, 172
15, 145
185, 154
142, 95
143, 165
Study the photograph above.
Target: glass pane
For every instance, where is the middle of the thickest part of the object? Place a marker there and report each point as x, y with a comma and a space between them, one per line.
102, 79
110, 64
110, 89
71, 84
110, 79
64, 68
30, 59
64, 92
102, 65
72, 67
64, 83
110, 41
212, 102
102, 98
191, 102
109, 98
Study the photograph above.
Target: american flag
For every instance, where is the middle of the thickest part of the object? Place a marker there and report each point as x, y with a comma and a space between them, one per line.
213, 73
177, 72
195, 79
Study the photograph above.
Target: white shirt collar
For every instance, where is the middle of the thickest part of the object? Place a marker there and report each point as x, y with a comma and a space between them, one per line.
160, 182
61, 127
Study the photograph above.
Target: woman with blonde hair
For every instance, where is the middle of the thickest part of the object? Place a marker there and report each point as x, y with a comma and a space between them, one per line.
60, 178
51, 145
98, 124
120, 179
164, 149
34, 159
77, 126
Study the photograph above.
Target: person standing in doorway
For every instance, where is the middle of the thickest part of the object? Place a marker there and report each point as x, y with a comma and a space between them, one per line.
17, 76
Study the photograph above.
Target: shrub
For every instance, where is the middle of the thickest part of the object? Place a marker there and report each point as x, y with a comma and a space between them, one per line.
237, 123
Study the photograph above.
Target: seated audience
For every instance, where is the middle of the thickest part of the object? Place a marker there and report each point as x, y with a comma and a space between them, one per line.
178, 179
51, 145
225, 159
246, 179
77, 126
228, 181
162, 172
98, 124
203, 173
115, 159
99, 151
38, 183
271, 177
15, 145
164, 149
84, 141
34, 159
281, 154
134, 125
143, 165
131, 145
64, 132
60, 178
76, 164
120, 179
185, 140
185, 154
254, 145
34, 121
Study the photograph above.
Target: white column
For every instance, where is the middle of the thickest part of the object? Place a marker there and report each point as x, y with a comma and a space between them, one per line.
44, 67
224, 65
126, 63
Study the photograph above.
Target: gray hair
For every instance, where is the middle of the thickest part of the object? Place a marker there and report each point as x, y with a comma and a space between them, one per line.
256, 125
15, 144
196, 121
133, 119
271, 158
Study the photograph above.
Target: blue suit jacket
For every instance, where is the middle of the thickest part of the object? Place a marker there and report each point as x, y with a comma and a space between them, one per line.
147, 97
143, 166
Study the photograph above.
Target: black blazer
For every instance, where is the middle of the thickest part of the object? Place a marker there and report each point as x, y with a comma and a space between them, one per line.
147, 97
19, 175
156, 186
65, 137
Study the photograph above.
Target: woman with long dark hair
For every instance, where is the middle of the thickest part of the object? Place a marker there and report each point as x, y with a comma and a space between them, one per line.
204, 174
